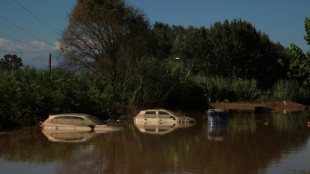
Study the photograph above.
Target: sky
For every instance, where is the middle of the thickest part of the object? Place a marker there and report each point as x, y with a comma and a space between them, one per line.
32, 29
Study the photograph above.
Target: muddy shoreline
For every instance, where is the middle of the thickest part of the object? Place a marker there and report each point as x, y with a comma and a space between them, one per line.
274, 106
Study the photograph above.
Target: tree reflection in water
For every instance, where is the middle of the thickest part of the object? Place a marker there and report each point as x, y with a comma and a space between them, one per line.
249, 146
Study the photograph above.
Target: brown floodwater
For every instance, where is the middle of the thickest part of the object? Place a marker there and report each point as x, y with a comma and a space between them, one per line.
248, 143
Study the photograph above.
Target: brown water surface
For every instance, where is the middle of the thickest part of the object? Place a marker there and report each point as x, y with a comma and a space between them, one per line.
248, 143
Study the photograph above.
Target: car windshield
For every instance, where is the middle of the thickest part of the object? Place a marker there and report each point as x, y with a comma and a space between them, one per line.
95, 120
174, 113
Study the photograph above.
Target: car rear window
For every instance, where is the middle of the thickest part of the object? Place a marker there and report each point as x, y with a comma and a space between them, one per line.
150, 112
163, 113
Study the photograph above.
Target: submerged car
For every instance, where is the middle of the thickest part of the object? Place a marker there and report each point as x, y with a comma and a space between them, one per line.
77, 122
161, 116
161, 121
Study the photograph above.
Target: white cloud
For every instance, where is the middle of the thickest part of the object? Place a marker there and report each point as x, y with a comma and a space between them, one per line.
34, 53
57, 45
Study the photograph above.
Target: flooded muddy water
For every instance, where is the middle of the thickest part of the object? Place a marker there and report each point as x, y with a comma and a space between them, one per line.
248, 143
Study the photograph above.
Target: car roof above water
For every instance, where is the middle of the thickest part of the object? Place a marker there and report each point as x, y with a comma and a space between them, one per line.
147, 110
86, 116
71, 114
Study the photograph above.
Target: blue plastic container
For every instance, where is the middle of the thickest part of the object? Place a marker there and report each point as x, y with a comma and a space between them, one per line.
217, 116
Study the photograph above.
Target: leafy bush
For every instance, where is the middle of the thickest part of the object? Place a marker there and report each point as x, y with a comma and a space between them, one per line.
290, 90
231, 89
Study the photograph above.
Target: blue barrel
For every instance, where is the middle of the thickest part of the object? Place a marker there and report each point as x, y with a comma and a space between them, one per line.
217, 116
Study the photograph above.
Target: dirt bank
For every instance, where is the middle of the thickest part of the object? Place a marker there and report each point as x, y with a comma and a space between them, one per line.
274, 106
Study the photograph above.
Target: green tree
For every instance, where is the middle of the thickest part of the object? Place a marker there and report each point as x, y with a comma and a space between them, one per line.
299, 62
299, 66
10, 62
307, 28
104, 37
163, 40
229, 49
193, 47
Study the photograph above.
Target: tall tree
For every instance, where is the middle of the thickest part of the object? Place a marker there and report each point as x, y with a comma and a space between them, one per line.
299, 67
307, 28
104, 36
10, 62
231, 48
299, 62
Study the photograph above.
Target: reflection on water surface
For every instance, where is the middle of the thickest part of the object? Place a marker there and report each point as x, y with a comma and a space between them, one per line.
245, 145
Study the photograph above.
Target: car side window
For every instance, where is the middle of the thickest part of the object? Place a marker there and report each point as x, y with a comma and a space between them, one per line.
163, 113
150, 114
80, 121
62, 120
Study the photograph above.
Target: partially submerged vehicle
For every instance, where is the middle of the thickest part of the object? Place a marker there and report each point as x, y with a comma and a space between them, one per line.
161, 121
76, 122
161, 116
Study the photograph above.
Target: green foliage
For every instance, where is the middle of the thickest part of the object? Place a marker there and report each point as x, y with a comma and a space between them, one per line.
10, 62
28, 95
307, 28
290, 90
163, 83
232, 89
226, 49
299, 62
299, 65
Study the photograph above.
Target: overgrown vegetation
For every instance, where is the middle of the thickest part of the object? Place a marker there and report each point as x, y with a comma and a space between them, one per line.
28, 95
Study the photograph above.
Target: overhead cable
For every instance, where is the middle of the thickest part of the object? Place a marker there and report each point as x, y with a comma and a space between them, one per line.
21, 28
38, 19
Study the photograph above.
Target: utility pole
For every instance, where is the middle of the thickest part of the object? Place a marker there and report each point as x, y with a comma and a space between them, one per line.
50, 62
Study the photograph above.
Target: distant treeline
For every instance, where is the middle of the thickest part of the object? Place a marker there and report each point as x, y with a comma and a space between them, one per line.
228, 49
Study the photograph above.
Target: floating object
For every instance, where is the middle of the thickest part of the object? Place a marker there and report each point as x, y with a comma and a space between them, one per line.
308, 123
217, 116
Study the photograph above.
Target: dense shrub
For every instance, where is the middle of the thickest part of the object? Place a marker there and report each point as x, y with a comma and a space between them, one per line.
232, 89
29, 95
290, 90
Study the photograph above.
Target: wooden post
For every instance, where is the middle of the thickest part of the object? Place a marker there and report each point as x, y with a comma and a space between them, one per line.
50, 62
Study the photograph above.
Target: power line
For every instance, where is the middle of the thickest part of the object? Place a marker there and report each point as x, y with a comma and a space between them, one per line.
18, 41
21, 28
38, 19
9, 37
